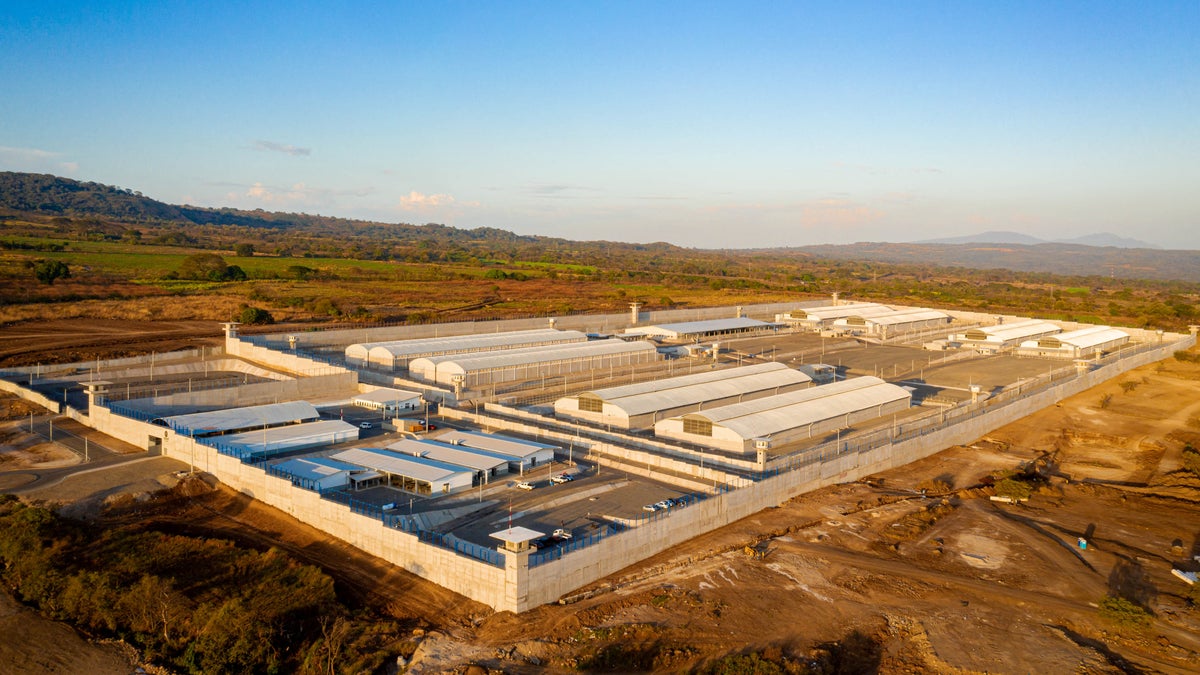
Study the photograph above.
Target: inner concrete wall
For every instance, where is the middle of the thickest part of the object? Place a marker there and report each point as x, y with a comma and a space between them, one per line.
260, 393
588, 323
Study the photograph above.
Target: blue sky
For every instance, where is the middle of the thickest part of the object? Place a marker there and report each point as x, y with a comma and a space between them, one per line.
732, 124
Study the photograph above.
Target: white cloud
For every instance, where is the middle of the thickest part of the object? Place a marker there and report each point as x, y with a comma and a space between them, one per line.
297, 195
272, 146
415, 201
34, 159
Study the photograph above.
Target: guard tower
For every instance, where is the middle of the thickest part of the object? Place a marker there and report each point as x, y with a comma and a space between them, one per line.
97, 393
517, 539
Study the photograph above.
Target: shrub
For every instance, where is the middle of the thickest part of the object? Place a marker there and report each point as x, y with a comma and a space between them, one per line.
47, 271
1191, 459
1123, 612
255, 315
1013, 488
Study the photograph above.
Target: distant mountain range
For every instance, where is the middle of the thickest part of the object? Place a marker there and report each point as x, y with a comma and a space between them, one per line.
1092, 255
1002, 237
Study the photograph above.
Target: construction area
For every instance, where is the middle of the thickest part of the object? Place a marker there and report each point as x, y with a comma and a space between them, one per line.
517, 464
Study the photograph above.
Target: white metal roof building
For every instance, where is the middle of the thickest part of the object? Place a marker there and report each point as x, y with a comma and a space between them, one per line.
315, 473
689, 330
639, 406
817, 318
799, 415
396, 354
388, 400
486, 465
1077, 344
521, 454
233, 420
1007, 334
412, 474
894, 322
274, 440
483, 370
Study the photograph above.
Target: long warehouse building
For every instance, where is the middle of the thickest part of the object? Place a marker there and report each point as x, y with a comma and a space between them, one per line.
893, 323
1006, 334
1084, 343
397, 354
820, 318
786, 418
699, 330
277, 440
235, 420
491, 368
639, 406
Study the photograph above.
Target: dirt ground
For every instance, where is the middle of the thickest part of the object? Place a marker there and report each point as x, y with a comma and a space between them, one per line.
73, 340
872, 576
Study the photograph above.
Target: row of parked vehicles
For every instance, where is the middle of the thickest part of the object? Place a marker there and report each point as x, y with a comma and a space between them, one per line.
663, 505
555, 480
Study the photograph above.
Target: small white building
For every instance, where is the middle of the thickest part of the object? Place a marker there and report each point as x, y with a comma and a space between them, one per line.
315, 473
388, 400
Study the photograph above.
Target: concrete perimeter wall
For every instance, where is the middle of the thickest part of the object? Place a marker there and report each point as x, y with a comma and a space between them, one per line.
470, 577
519, 587
280, 360
31, 396
552, 580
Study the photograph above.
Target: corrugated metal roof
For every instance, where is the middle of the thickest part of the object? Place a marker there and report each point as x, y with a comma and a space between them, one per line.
477, 460
694, 327
1007, 332
243, 418
501, 445
402, 348
327, 431
773, 414
531, 355
400, 465
906, 316
647, 397
1083, 338
313, 468
827, 312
